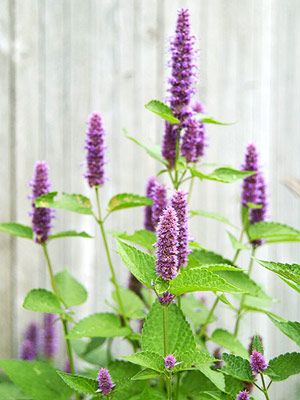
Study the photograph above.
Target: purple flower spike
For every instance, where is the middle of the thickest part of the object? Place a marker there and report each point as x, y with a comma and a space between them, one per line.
167, 245
243, 395
257, 362
179, 203
28, 350
166, 298
159, 202
32, 334
41, 217
250, 193
169, 144
50, 336
94, 145
105, 382
170, 361
148, 223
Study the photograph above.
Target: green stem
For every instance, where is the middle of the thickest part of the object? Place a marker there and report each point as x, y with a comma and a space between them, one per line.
240, 310
177, 386
265, 389
63, 320
169, 387
109, 260
203, 327
165, 329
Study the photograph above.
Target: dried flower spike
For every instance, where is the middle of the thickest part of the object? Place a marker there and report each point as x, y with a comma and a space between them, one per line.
179, 203
105, 383
170, 361
148, 222
257, 362
49, 336
41, 217
243, 395
94, 146
167, 245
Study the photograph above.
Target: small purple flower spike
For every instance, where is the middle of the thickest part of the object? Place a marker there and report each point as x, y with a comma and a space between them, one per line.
28, 350
94, 146
148, 223
249, 192
179, 203
41, 217
31, 334
50, 336
169, 144
243, 395
257, 362
105, 382
167, 245
170, 361
159, 202
166, 298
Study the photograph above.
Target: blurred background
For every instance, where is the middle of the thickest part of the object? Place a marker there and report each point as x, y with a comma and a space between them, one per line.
62, 59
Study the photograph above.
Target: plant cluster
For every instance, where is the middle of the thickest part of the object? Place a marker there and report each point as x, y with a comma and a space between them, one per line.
158, 314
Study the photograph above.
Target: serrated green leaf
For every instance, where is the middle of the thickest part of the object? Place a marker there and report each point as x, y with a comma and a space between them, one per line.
211, 215
15, 229
36, 379
162, 110
41, 300
273, 232
196, 382
215, 377
200, 279
153, 151
70, 290
180, 336
143, 238
211, 120
236, 243
289, 328
230, 342
71, 202
223, 174
140, 264
133, 305
147, 359
195, 311
237, 367
146, 374
283, 366
70, 234
201, 257
122, 373
127, 200
257, 345
99, 325
80, 384
287, 271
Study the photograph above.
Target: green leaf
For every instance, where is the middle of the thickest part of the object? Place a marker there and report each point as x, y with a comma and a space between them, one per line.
150, 394
237, 367
215, 377
223, 174
289, 328
15, 229
153, 151
229, 341
99, 325
287, 271
195, 311
133, 305
180, 336
146, 374
36, 379
121, 373
147, 359
127, 200
70, 234
211, 215
41, 300
200, 279
257, 345
143, 238
273, 232
236, 244
140, 264
211, 120
283, 366
162, 110
70, 290
11, 392
71, 202
201, 257
80, 384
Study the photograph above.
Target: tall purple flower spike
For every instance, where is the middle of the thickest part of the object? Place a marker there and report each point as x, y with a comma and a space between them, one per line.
148, 223
170, 361
49, 336
257, 362
41, 217
167, 245
28, 350
181, 82
243, 395
179, 203
32, 334
95, 148
105, 382
159, 197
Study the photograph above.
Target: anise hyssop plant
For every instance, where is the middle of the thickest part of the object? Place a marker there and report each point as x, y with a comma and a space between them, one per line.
174, 353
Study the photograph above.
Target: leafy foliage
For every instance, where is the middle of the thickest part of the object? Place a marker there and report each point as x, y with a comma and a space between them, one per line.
143, 238
15, 229
273, 232
41, 300
289, 328
229, 341
162, 110
237, 367
70, 290
283, 366
224, 174
71, 202
127, 200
